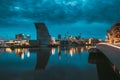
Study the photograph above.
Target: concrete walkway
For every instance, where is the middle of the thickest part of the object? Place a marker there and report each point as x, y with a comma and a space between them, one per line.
112, 52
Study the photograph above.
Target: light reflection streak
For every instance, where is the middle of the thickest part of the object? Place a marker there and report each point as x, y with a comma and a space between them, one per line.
70, 50
22, 56
20, 52
53, 51
9, 50
28, 54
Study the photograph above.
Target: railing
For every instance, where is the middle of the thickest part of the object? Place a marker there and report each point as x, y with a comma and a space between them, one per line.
113, 45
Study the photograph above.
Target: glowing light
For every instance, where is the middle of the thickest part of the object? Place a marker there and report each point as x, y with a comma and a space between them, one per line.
71, 51
8, 50
19, 51
28, 54
22, 56
71, 54
53, 51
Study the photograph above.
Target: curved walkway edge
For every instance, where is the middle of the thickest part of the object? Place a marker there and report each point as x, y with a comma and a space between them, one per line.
112, 52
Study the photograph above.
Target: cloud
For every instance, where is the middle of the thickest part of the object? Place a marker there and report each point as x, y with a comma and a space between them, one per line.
59, 11
103, 11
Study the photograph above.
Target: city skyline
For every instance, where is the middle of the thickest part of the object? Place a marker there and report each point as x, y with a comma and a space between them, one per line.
60, 39
94, 32
91, 18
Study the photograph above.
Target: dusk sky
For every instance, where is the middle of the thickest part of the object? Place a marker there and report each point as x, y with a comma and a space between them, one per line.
90, 17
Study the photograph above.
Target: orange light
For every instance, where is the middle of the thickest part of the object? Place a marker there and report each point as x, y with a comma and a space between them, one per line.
8, 50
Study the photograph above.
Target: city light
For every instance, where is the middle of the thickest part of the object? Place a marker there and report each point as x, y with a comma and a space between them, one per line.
22, 56
28, 54
8, 50
53, 51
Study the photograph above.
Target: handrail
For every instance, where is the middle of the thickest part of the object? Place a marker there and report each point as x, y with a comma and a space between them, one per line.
113, 45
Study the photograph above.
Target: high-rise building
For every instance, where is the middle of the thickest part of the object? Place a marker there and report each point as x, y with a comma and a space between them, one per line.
43, 36
28, 37
19, 36
59, 37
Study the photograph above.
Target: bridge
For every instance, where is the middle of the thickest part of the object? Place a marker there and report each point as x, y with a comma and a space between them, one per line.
112, 52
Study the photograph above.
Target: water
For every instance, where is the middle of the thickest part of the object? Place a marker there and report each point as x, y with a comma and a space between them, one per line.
54, 64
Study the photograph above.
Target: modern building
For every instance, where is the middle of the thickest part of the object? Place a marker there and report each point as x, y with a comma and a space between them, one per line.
19, 36
113, 35
42, 34
2, 43
17, 43
28, 37
59, 37
93, 41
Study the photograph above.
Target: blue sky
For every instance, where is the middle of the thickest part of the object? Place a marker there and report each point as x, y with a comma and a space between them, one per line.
90, 17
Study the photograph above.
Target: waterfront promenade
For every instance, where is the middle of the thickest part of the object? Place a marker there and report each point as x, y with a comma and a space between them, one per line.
112, 52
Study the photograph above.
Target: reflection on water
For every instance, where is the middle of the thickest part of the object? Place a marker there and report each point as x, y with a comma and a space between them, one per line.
70, 50
19, 51
106, 70
22, 52
62, 63
42, 58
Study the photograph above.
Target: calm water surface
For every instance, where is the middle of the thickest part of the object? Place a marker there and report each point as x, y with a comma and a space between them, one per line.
54, 64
